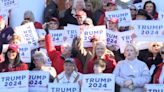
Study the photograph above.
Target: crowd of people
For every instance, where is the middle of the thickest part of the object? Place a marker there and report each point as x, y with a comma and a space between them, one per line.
67, 63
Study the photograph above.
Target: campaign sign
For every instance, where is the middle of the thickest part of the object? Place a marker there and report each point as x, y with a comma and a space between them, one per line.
14, 81
161, 15
8, 4
98, 83
98, 31
25, 53
71, 31
62, 87
124, 39
111, 37
38, 81
28, 34
139, 5
41, 33
57, 36
149, 30
154, 87
124, 16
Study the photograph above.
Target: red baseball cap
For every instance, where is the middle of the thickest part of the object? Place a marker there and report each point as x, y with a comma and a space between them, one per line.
13, 47
114, 20
80, 13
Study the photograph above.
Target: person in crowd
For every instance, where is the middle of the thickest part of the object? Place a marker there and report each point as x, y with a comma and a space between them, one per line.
53, 23
58, 57
69, 74
99, 66
88, 23
111, 6
150, 8
100, 52
142, 15
89, 6
133, 11
131, 74
40, 60
6, 33
29, 15
70, 14
158, 77
112, 24
51, 10
151, 56
25, 22
15, 39
12, 60
80, 17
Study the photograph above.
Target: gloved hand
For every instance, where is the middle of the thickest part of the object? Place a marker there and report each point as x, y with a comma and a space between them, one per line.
46, 29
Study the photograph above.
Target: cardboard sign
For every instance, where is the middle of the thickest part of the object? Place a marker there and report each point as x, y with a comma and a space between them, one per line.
61, 87
111, 37
38, 81
28, 34
14, 81
98, 83
124, 39
150, 30
41, 33
154, 87
25, 53
57, 37
124, 16
97, 31
71, 31
8, 4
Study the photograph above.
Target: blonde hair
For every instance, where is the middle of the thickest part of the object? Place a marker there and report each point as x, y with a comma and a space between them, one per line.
152, 43
40, 54
134, 47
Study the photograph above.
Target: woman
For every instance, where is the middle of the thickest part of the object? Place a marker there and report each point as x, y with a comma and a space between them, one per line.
158, 77
150, 7
100, 52
40, 60
16, 39
12, 60
70, 74
131, 74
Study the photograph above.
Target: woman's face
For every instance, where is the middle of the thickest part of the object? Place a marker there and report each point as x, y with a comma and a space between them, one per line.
66, 50
112, 26
16, 41
53, 25
155, 48
11, 54
100, 50
68, 67
149, 8
79, 5
38, 62
130, 53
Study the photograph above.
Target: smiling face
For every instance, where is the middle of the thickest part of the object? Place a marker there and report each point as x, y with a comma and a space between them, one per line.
130, 53
149, 8
100, 49
11, 54
155, 48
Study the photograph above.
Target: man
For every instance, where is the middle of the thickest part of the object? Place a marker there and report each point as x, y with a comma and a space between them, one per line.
5, 33
80, 17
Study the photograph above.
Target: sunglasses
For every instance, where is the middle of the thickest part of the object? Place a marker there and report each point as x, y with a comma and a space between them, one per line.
155, 45
26, 18
133, 9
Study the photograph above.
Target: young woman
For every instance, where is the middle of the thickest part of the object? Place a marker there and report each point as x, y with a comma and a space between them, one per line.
150, 7
131, 74
158, 77
12, 60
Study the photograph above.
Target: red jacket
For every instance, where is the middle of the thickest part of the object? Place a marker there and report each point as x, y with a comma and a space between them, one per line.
55, 56
4, 67
111, 63
158, 73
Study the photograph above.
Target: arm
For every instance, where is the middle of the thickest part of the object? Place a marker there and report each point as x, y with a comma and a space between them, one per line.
144, 78
119, 80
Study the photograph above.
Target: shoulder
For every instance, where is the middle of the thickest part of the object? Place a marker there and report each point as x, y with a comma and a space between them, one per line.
61, 75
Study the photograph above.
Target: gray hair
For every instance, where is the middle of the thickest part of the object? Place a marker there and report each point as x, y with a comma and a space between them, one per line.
29, 14
40, 54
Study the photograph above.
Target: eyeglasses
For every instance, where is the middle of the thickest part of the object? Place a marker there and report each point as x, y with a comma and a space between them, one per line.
162, 52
